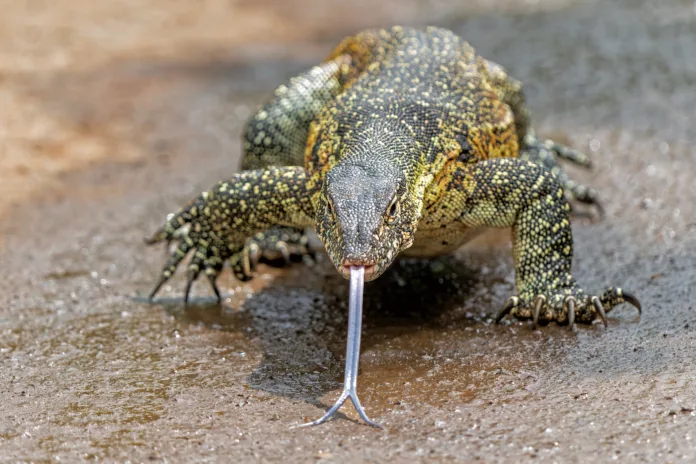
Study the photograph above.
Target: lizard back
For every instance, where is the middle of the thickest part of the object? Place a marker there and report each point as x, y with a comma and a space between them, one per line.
419, 98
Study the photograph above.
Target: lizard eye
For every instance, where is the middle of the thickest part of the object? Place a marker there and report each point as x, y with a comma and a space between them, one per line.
393, 211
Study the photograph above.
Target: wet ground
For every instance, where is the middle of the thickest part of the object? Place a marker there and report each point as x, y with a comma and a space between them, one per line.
114, 113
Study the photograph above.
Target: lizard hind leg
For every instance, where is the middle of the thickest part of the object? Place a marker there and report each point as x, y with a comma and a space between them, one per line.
279, 246
547, 153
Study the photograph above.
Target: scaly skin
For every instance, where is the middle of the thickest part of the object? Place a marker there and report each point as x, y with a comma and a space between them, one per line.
402, 142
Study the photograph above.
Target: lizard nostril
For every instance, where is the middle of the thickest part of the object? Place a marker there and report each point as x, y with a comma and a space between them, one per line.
346, 264
357, 262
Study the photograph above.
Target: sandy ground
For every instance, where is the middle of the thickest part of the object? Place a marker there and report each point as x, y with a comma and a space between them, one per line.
114, 113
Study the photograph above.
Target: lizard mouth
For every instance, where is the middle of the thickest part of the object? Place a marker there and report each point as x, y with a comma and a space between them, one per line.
370, 269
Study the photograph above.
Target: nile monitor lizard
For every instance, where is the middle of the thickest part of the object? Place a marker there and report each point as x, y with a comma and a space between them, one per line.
403, 142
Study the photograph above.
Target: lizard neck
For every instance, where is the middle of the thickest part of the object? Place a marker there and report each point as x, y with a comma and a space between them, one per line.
383, 142
386, 146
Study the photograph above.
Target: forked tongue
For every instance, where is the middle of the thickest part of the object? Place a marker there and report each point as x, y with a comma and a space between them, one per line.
350, 379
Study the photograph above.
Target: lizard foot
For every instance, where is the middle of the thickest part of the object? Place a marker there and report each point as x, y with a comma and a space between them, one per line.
193, 230
279, 245
567, 308
547, 153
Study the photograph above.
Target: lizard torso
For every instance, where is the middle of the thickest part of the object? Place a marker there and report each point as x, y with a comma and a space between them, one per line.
429, 86
402, 141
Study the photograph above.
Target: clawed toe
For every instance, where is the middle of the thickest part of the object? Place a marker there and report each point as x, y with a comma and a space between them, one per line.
540, 301
585, 309
191, 235
585, 195
278, 246
570, 302
633, 301
614, 296
600, 310
212, 278
157, 287
510, 304
547, 153
574, 156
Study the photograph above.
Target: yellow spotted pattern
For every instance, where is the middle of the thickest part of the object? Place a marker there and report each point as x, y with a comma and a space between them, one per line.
418, 108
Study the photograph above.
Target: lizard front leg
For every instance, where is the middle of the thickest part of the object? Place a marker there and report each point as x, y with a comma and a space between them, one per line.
216, 224
277, 136
524, 196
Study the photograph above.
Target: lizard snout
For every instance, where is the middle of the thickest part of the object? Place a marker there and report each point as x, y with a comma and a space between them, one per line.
346, 264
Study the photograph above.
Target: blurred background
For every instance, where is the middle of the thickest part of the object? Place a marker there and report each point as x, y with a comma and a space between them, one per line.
120, 79
115, 112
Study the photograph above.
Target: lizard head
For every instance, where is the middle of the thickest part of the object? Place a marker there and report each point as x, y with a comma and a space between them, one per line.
367, 215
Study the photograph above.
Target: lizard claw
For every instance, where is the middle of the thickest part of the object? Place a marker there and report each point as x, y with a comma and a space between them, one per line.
600, 310
156, 288
614, 296
212, 273
511, 303
278, 245
193, 230
189, 283
570, 302
540, 301
574, 156
567, 309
